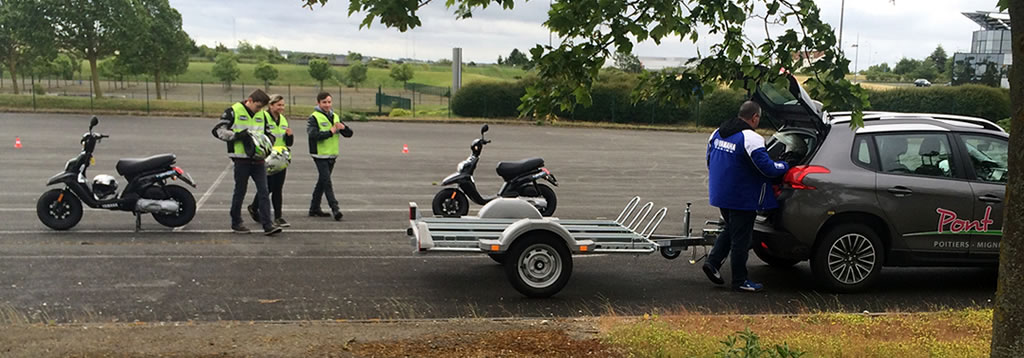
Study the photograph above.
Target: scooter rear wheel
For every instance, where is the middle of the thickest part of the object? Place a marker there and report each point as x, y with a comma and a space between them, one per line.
58, 209
186, 205
450, 203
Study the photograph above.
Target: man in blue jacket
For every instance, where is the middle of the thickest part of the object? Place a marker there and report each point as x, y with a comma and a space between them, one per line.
739, 183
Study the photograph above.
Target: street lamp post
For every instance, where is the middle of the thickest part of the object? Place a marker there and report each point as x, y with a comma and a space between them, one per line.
856, 58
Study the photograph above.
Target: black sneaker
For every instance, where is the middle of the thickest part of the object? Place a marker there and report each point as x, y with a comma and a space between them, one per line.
337, 215
319, 214
713, 274
272, 230
280, 222
240, 229
255, 214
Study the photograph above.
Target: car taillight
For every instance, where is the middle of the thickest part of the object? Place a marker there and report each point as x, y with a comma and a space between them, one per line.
795, 176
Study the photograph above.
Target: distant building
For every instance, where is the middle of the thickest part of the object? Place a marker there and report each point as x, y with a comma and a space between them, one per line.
661, 63
990, 45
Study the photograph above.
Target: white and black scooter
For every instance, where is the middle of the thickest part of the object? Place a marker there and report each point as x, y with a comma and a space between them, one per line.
520, 181
147, 190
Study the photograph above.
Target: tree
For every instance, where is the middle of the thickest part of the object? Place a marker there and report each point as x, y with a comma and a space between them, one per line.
354, 57
91, 29
992, 76
221, 48
320, 70
939, 58
1008, 315
63, 66
518, 59
156, 46
567, 71
265, 72
628, 62
402, 73
964, 71
356, 75
112, 69
379, 63
905, 67
226, 68
500, 61
925, 69
26, 33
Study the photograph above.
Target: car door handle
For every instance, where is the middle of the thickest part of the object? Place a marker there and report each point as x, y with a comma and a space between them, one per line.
900, 191
989, 198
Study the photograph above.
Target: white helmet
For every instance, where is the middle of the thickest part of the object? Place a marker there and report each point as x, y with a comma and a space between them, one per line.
278, 160
104, 186
262, 146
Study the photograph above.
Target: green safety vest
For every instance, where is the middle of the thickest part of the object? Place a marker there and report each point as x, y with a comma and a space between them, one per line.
278, 130
243, 122
326, 148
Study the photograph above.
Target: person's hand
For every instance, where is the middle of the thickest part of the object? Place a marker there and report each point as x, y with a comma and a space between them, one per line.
334, 129
340, 126
288, 131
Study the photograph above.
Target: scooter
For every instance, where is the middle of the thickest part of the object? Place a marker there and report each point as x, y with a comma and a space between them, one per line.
520, 181
147, 190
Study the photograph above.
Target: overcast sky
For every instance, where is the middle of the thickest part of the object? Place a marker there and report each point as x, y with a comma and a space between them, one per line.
887, 30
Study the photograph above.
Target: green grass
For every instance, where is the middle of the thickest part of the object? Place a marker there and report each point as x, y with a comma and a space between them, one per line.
298, 75
950, 333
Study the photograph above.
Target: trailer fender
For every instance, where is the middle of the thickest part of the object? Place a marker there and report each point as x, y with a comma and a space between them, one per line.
526, 227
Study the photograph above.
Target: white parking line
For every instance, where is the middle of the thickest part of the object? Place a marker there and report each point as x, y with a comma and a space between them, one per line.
225, 208
196, 257
301, 231
209, 191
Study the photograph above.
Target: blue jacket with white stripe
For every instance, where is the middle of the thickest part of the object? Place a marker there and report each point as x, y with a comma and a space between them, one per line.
740, 169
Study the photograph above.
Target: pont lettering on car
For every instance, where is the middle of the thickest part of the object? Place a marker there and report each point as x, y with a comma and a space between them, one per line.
949, 217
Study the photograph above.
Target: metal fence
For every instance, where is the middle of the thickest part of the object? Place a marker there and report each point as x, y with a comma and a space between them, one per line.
139, 94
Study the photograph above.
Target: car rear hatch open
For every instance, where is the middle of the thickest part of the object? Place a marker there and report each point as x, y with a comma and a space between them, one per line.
790, 106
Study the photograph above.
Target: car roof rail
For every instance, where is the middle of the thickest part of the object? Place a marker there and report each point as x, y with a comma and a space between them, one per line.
842, 117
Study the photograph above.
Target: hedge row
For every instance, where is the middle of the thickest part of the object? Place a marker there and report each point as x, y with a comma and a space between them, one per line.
612, 102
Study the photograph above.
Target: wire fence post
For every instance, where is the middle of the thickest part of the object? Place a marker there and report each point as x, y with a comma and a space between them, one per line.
33, 94
243, 90
202, 99
341, 100
147, 95
449, 102
380, 101
92, 98
293, 99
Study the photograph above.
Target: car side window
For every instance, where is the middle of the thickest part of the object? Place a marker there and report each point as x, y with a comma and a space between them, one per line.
988, 156
862, 152
926, 154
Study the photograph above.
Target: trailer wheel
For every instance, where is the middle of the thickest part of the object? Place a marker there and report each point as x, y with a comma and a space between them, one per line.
538, 266
670, 252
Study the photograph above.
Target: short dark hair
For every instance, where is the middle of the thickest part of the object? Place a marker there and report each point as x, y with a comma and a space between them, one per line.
320, 96
748, 109
259, 96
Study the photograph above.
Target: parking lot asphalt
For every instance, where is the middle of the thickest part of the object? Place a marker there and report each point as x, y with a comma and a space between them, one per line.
363, 267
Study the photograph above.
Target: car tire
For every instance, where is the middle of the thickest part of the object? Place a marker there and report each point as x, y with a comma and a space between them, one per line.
848, 258
499, 258
772, 260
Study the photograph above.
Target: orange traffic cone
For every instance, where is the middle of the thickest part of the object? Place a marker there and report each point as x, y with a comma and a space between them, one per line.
17, 142
405, 149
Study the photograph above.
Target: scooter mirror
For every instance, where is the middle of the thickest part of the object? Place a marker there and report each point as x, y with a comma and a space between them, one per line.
93, 122
483, 129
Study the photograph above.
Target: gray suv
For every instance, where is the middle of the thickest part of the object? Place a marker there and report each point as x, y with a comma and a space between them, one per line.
907, 189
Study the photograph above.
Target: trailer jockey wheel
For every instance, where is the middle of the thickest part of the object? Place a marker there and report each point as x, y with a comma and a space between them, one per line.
670, 252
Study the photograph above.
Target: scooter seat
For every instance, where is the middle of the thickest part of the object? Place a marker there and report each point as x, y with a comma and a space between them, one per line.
509, 170
131, 166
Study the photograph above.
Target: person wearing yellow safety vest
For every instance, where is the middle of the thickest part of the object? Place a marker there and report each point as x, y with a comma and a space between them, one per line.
233, 128
324, 127
274, 118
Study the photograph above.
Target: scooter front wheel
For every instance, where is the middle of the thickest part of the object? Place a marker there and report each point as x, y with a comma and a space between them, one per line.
59, 209
450, 202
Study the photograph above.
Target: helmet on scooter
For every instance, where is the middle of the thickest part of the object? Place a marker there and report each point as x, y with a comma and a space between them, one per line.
262, 146
104, 186
278, 160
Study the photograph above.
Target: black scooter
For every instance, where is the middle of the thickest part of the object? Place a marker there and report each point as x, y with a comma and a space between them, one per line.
520, 181
147, 190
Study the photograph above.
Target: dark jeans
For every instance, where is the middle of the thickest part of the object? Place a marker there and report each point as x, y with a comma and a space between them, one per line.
324, 168
276, 184
735, 237
245, 169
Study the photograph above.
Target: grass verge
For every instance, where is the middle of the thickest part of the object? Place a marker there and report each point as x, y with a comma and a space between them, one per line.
949, 333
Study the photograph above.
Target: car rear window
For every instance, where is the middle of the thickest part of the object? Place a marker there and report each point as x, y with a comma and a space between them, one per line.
797, 143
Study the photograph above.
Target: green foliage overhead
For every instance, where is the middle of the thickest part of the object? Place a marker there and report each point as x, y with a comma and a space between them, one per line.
589, 29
